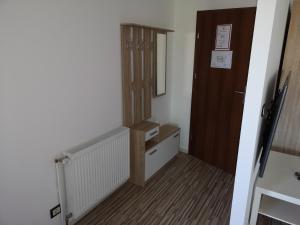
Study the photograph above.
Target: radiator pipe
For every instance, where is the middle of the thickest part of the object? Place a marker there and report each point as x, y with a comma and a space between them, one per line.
59, 165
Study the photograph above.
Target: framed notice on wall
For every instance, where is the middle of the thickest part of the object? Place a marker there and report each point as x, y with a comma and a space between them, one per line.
221, 59
223, 37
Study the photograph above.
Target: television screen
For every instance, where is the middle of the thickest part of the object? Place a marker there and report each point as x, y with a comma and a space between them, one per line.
271, 124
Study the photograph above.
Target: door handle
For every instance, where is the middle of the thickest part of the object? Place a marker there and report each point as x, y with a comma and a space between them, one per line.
239, 92
153, 152
176, 135
153, 133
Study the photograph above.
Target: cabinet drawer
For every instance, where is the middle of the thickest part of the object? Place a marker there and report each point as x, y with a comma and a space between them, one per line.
153, 161
161, 154
151, 133
170, 147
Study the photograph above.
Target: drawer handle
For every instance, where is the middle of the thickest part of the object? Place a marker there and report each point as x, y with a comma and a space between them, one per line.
153, 152
176, 135
153, 133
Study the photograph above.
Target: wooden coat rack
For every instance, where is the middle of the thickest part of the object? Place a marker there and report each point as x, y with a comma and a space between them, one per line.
138, 69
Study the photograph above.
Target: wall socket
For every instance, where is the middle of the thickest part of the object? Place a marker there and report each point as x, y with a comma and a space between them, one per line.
55, 211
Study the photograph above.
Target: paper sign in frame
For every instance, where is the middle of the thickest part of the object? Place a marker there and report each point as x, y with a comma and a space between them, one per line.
229, 31
226, 62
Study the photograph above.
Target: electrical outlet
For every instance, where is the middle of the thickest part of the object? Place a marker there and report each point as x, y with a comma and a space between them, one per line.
55, 211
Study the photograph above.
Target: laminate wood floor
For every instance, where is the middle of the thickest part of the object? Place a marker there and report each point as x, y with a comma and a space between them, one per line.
186, 192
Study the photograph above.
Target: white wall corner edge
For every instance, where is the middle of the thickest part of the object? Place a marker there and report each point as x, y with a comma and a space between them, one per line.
264, 63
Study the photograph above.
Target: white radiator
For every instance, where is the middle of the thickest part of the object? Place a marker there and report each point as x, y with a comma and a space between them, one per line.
89, 173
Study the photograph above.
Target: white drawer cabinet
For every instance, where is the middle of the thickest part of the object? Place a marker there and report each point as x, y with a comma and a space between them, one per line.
152, 147
161, 154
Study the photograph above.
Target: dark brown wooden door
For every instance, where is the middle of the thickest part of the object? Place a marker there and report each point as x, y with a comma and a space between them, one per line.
218, 94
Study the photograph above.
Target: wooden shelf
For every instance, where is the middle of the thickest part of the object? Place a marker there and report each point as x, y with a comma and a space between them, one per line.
145, 126
149, 27
165, 131
280, 210
150, 144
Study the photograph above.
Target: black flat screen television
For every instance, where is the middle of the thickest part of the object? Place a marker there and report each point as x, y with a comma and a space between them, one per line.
272, 119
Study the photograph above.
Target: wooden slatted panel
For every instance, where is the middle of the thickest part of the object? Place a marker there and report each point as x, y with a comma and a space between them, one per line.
137, 61
154, 62
147, 74
139, 69
137, 64
126, 75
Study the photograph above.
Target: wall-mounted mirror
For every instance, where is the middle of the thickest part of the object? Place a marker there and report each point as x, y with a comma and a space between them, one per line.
161, 62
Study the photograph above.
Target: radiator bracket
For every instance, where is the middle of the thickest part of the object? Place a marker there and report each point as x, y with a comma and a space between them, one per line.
68, 217
62, 159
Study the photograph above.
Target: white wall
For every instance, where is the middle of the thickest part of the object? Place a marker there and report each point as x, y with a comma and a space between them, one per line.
60, 77
183, 56
264, 64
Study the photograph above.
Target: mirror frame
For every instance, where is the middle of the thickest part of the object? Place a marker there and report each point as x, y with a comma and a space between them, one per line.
155, 33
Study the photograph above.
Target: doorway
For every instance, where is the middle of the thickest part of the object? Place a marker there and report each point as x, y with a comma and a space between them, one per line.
222, 55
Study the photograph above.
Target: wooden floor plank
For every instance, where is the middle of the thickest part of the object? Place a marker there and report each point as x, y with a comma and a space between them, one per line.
186, 192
